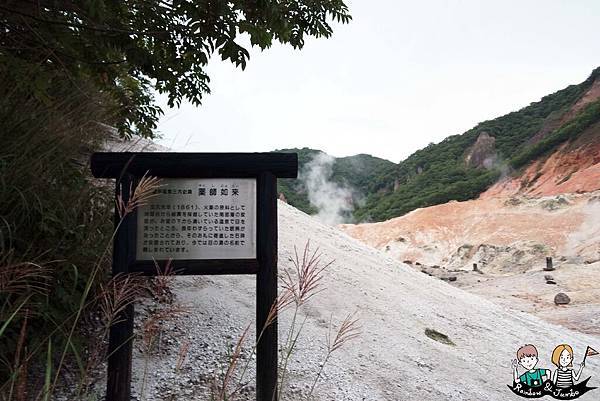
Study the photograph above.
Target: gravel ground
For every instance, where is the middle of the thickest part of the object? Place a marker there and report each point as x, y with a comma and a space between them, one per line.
392, 359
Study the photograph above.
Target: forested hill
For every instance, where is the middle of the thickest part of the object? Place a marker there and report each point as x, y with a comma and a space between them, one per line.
461, 166
362, 174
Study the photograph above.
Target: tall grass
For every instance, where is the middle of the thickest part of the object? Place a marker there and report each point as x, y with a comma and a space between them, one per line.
55, 227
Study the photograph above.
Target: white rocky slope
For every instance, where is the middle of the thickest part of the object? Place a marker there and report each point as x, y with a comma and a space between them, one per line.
392, 360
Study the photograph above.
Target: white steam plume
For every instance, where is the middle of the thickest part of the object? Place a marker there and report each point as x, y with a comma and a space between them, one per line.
585, 241
333, 201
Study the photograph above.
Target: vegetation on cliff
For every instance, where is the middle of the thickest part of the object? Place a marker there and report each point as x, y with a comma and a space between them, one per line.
438, 173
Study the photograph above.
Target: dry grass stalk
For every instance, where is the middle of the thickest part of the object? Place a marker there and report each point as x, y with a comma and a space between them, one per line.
19, 282
114, 296
304, 281
283, 301
152, 331
299, 285
153, 325
233, 361
24, 277
143, 192
286, 299
162, 281
183, 352
348, 331
21, 366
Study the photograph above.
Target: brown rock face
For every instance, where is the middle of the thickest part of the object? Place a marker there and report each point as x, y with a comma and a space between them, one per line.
483, 152
573, 168
570, 169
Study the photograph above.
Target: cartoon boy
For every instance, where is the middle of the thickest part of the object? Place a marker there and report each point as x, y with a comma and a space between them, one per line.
527, 356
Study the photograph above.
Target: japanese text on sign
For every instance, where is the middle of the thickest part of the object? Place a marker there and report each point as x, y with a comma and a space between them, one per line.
212, 218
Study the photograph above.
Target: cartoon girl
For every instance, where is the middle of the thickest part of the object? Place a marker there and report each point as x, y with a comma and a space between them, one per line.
564, 376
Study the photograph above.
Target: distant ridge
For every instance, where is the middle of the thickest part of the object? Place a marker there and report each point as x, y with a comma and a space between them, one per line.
461, 167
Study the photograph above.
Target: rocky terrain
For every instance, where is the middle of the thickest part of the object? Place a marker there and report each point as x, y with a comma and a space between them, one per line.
508, 233
502, 235
421, 338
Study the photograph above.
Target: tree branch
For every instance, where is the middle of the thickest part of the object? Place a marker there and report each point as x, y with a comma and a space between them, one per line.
81, 26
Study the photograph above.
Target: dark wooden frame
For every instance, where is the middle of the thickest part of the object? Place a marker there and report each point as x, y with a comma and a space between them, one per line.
127, 168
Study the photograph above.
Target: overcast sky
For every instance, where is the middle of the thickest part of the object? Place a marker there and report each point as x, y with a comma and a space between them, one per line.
402, 74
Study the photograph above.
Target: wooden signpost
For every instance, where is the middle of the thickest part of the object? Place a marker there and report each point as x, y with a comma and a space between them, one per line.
214, 213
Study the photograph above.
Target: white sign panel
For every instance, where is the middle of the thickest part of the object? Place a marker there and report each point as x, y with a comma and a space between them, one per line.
208, 218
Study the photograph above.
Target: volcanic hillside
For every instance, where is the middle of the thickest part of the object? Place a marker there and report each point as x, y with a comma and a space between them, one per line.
550, 208
420, 339
551, 146
545, 160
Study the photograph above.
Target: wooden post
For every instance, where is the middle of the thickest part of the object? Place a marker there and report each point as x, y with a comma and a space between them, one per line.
549, 267
118, 383
266, 288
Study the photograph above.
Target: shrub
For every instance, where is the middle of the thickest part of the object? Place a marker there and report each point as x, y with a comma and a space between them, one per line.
54, 222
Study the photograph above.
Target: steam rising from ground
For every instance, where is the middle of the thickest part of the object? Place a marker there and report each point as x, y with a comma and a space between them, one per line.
584, 241
495, 162
334, 202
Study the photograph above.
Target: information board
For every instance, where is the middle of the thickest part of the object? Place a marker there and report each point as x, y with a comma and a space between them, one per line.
208, 218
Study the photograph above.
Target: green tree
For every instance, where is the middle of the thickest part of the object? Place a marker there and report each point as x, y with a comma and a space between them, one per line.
128, 47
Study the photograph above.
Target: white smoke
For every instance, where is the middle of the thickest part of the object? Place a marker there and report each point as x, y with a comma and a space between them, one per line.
333, 201
584, 241
494, 162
